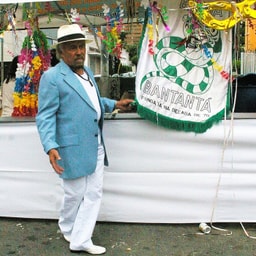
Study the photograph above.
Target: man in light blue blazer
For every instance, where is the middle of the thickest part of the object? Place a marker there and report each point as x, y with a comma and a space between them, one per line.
70, 124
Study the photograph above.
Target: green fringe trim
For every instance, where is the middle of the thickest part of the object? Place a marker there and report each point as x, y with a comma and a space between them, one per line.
170, 123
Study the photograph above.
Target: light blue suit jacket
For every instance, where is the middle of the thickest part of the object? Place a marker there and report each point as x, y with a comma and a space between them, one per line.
67, 120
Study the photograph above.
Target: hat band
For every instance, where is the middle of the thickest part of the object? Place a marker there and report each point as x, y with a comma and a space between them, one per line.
71, 37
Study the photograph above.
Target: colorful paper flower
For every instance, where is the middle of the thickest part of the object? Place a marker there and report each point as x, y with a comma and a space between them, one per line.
34, 59
114, 28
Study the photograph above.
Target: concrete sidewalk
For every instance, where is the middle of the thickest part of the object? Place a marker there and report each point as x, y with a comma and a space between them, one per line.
28, 237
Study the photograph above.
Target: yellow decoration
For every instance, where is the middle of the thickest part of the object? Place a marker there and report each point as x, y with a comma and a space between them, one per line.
36, 61
150, 31
16, 99
239, 11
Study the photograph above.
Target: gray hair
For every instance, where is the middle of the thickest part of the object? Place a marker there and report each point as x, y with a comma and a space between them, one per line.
58, 51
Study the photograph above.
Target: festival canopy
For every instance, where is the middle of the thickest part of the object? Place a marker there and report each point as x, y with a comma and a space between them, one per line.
23, 1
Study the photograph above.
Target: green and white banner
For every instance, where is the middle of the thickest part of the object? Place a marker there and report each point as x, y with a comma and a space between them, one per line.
182, 79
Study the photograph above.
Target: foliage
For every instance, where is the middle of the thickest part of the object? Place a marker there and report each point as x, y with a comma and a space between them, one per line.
133, 53
124, 69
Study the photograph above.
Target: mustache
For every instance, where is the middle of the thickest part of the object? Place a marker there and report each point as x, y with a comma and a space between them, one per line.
79, 57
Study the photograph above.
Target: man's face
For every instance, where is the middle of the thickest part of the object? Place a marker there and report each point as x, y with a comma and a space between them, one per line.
73, 54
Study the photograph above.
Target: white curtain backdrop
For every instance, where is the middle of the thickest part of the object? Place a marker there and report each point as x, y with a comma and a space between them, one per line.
155, 175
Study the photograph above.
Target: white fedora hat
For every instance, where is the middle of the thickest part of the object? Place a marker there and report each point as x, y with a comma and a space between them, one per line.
72, 32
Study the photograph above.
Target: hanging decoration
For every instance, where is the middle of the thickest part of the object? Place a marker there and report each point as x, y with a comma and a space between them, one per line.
239, 11
34, 59
10, 13
198, 34
161, 13
150, 31
75, 17
111, 38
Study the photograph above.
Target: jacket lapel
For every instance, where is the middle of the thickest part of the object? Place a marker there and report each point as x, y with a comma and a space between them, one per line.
71, 79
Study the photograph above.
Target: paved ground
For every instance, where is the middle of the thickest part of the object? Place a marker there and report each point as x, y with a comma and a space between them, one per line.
41, 238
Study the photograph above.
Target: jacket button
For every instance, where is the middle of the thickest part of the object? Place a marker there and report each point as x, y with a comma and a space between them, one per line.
95, 120
96, 135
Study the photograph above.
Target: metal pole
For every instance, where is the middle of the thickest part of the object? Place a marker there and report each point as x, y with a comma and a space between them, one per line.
2, 70
104, 79
2, 59
2, 53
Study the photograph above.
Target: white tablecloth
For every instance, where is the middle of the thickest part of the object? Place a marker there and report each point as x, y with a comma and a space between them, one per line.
155, 175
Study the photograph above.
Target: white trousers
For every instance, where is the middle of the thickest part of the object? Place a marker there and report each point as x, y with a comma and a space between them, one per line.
81, 205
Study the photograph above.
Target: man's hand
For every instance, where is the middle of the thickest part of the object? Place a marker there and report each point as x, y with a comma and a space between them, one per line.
54, 157
124, 105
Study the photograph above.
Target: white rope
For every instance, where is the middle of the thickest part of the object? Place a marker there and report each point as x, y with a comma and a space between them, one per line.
246, 233
225, 143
